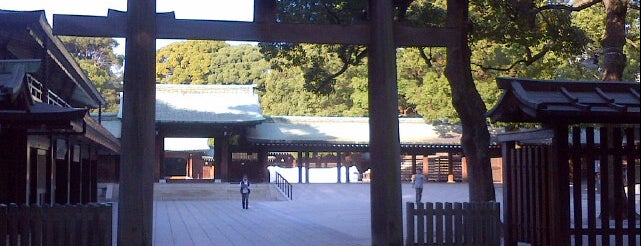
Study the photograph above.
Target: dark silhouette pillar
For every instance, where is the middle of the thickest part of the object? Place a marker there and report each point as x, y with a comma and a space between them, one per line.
386, 209
338, 166
135, 208
300, 167
307, 160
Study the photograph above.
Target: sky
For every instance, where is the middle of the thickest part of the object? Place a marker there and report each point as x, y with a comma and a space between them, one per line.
236, 10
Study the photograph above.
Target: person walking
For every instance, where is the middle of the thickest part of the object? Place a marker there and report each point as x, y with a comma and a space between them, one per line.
417, 184
244, 191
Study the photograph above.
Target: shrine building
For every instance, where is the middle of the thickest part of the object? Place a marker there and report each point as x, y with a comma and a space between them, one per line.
247, 142
49, 145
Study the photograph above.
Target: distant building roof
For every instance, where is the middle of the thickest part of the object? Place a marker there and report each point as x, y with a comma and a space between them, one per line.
111, 122
207, 104
343, 130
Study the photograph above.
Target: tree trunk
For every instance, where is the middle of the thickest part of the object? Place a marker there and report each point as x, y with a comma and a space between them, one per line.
614, 60
469, 105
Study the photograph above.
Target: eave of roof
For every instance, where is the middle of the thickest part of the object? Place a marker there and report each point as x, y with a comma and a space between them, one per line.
342, 130
42, 113
527, 100
40, 30
46, 118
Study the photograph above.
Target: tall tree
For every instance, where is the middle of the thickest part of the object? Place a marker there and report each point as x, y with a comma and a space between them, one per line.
475, 133
97, 59
469, 105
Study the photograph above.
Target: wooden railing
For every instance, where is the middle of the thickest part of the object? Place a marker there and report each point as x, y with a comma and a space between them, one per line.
37, 93
453, 224
89, 224
284, 185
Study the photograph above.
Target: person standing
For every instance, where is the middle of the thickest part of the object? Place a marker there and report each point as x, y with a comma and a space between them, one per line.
419, 179
244, 191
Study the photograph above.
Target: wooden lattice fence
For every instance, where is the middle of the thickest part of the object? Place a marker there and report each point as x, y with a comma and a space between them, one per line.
453, 223
89, 224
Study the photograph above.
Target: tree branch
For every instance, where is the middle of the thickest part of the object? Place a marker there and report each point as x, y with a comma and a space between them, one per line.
578, 6
528, 61
428, 60
632, 43
632, 6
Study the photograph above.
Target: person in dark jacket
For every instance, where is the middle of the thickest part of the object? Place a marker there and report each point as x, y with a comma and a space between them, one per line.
244, 191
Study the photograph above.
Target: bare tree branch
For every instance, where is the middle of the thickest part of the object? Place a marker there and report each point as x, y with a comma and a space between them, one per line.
428, 60
632, 43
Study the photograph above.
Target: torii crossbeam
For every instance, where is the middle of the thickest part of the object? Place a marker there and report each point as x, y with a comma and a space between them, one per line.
141, 26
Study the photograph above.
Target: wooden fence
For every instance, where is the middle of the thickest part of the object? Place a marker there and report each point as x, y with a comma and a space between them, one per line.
453, 224
89, 224
572, 192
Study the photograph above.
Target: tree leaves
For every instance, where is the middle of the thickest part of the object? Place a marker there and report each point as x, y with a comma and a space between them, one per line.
97, 59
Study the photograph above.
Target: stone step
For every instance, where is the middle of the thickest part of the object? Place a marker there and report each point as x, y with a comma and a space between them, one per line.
198, 191
213, 191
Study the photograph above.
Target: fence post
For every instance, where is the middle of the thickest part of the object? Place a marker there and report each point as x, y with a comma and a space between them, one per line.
447, 214
12, 223
458, 223
420, 222
409, 216
106, 223
4, 217
438, 213
429, 218
86, 225
36, 224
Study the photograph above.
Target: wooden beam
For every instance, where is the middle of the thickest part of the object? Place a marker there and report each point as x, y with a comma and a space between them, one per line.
168, 27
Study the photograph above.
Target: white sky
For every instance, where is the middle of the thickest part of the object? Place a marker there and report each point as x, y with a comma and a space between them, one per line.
237, 10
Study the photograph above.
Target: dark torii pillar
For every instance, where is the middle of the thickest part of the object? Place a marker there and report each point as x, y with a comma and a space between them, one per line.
135, 207
384, 142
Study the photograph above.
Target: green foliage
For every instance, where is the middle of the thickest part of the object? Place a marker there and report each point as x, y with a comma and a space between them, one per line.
186, 62
285, 94
97, 59
331, 80
210, 62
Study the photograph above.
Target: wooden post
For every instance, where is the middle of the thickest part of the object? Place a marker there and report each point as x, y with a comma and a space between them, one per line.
560, 193
386, 207
135, 208
409, 223
159, 170
450, 167
414, 166
307, 160
508, 223
300, 167
338, 166
225, 159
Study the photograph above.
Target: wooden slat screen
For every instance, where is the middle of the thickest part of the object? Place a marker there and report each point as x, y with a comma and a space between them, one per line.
89, 224
603, 172
453, 223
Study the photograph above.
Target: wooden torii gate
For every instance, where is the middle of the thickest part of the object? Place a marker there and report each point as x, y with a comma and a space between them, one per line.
141, 26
